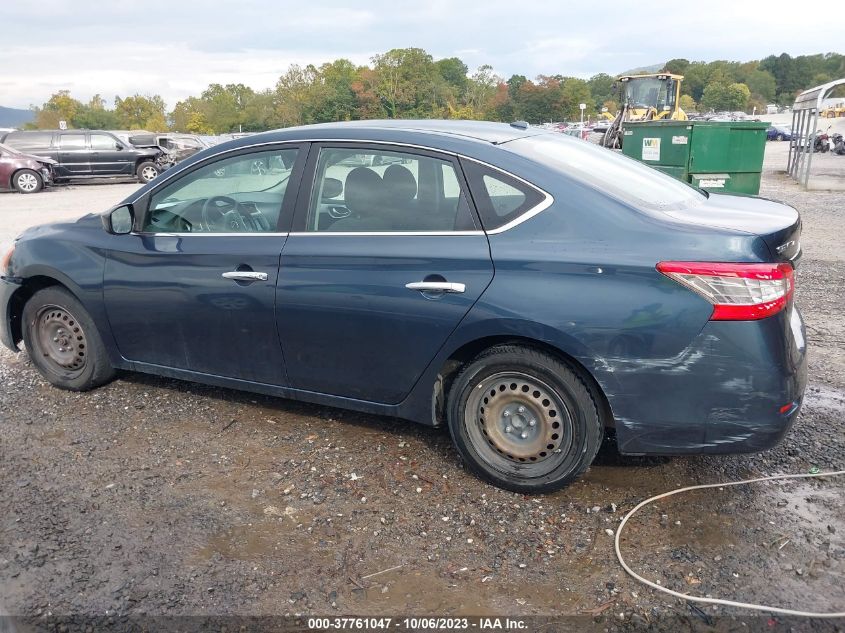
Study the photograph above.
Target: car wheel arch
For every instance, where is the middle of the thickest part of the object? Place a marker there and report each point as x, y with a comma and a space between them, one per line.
29, 286
470, 350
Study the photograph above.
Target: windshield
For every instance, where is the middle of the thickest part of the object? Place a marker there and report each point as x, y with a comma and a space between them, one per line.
8, 150
624, 178
649, 92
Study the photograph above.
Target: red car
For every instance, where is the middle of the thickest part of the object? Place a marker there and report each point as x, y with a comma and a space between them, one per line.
24, 172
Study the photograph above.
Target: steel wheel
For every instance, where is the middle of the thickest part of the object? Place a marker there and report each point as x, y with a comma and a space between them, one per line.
519, 422
61, 341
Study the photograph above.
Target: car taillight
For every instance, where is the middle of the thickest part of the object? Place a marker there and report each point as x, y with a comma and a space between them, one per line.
738, 292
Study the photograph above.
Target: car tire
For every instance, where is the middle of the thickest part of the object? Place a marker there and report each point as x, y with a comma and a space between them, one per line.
63, 341
27, 181
780, 137
147, 171
523, 420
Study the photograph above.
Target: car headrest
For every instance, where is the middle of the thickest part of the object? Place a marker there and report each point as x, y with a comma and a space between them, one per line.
332, 188
399, 183
364, 191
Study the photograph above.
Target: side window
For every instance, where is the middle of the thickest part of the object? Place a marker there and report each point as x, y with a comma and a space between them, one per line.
72, 141
358, 190
241, 194
103, 141
29, 140
500, 198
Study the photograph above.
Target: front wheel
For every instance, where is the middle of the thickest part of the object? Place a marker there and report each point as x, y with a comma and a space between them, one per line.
146, 172
63, 341
523, 420
28, 181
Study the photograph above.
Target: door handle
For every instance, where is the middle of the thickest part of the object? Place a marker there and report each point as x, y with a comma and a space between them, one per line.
245, 275
436, 286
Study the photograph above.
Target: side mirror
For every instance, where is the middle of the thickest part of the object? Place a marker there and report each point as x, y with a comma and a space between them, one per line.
120, 220
118, 146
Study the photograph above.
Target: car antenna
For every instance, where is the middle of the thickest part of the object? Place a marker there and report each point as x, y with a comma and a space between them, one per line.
520, 125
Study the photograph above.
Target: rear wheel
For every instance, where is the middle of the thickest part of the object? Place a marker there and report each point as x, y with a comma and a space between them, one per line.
147, 172
523, 420
63, 341
780, 137
28, 181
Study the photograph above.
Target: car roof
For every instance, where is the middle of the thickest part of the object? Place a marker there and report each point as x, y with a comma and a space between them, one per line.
409, 130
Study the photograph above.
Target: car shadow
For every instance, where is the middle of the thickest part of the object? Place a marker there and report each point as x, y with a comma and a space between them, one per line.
435, 437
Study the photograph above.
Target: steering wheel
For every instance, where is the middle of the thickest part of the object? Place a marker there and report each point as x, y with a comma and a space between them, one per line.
221, 213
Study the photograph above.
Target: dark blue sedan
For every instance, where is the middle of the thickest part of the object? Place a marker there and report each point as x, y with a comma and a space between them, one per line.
529, 290
779, 132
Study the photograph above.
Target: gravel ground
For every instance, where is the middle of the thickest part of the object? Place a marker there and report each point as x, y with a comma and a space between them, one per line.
153, 497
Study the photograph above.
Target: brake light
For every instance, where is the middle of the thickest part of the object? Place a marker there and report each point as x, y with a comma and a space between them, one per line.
738, 292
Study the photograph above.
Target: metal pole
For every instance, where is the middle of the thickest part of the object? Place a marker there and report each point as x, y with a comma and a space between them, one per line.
792, 143
815, 116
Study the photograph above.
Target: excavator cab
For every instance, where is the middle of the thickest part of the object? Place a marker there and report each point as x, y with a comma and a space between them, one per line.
650, 97
645, 98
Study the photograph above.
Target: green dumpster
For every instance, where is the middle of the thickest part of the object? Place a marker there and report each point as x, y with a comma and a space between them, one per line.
713, 155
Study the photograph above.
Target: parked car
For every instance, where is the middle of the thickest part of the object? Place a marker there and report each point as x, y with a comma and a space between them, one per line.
22, 172
84, 154
779, 132
528, 290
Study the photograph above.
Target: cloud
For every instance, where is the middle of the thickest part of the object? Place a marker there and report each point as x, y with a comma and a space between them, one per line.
177, 48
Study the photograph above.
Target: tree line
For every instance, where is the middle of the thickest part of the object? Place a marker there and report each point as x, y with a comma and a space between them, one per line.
410, 83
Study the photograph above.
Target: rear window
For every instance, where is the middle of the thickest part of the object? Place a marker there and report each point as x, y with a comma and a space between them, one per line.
499, 197
37, 140
624, 178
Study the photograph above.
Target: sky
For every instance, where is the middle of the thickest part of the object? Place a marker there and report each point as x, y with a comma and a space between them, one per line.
175, 48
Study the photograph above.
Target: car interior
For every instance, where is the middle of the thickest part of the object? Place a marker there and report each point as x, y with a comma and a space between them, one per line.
242, 194
386, 192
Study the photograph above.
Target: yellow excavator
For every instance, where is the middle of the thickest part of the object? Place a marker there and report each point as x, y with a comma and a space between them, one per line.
649, 97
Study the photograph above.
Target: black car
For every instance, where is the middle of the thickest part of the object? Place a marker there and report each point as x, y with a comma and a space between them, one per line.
81, 154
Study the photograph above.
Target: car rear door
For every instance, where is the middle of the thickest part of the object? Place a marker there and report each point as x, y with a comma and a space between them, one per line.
108, 156
73, 154
194, 287
386, 258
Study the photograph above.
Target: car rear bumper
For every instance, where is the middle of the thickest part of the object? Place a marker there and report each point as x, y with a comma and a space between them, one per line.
7, 289
737, 389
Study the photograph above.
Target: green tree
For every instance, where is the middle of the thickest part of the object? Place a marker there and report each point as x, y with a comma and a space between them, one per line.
292, 95
141, 112
454, 72
602, 88
575, 92
676, 66
59, 107
94, 115
687, 103
481, 88
406, 82
730, 97
762, 85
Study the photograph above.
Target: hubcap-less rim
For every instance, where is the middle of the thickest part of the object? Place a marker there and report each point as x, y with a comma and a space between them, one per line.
61, 340
518, 422
148, 173
27, 182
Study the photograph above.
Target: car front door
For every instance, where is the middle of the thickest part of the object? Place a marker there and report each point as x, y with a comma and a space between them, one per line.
193, 287
73, 154
108, 156
385, 260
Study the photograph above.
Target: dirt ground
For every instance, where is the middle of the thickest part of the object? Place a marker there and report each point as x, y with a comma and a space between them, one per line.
153, 497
